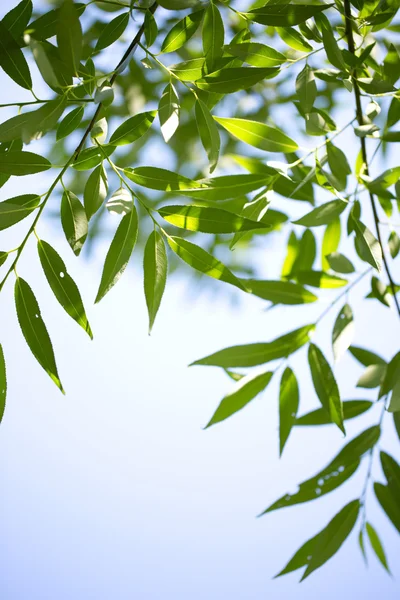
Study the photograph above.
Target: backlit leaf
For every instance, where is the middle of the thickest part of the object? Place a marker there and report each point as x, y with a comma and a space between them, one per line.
69, 36
15, 209
208, 132
207, 220
112, 31
3, 384
233, 79
182, 32
280, 292
288, 405
155, 274
168, 112
74, 221
325, 385
258, 134
132, 129
22, 163
343, 332
12, 60
351, 409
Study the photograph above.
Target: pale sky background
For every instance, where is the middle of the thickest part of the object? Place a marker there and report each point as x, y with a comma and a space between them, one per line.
116, 492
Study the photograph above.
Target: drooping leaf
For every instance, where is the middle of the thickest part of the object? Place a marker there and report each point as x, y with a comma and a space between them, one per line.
22, 163
257, 55
119, 253
366, 357
69, 36
258, 134
325, 385
155, 274
285, 15
168, 112
251, 355
319, 279
372, 377
17, 19
70, 122
332, 49
306, 89
207, 220
246, 390
280, 292
343, 332
389, 502
112, 31
120, 203
12, 60
377, 545
62, 285
34, 329
74, 221
212, 35
351, 409
340, 263
322, 215
233, 79
368, 245
181, 32
93, 156
293, 39
3, 384
15, 209
95, 191
288, 405
208, 132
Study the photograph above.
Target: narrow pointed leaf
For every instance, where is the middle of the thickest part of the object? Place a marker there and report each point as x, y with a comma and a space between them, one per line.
15, 209
69, 36
212, 35
155, 274
389, 502
343, 332
351, 409
285, 15
306, 89
112, 31
70, 122
3, 384
257, 55
168, 112
74, 221
280, 292
323, 215
207, 220
208, 132
12, 60
233, 79
258, 134
288, 405
377, 546
22, 163
182, 32
325, 385
368, 245
132, 129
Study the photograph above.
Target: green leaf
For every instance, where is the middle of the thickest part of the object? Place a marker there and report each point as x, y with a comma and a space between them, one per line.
343, 332
306, 89
338, 165
45, 26
112, 31
391, 376
70, 122
285, 15
233, 79
155, 178
280, 292
15, 209
3, 257
396, 421
119, 253
95, 191
333, 536
389, 502
69, 37
3, 384
246, 390
62, 285
351, 409
257, 55
202, 261
288, 405
332, 49
168, 112
291, 254
366, 357
377, 545
394, 405
34, 124
34, 329
17, 19
319, 279
93, 156
120, 202
74, 221
208, 132
339, 470
330, 242
300, 558
369, 247
394, 244
294, 39
207, 220
212, 35
391, 470
22, 163
251, 355
325, 385
189, 70
258, 135
150, 29
181, 32
323, 215
12, 61
339, 263
155, 274
372, 377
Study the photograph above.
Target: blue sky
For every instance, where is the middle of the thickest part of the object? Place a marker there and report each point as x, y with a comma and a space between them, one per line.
115, 491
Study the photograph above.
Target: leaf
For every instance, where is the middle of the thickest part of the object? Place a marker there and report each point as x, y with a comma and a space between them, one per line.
291, 254
202, 261
325, 385
217, 189
69, 37
391, 470
339, 470
3, 257
394, 405
394, 244
339, 263
120, 203
155, 178
189, 70
91, 157
372, 377
12, 60
391, 375
208, 132
15, 209
280, 292
368, 245
74, 221
306, 89
343, 332
181, 32
389, 502
45, 26
70, 122
62, 285
112, 31
3, 384
294, 39
95, 191
207, 220
288, 406
34, 329
17, 19
322, 215
251, 355
233, 79
285, 15
150, 29
300, 558
332, 49
155, 274
119, 253
366, 357
22, 163
330, 242
257, 55
320, 279
168, 112
338, 165
351, 409
257, 134
333, 536
377, 545
212, 35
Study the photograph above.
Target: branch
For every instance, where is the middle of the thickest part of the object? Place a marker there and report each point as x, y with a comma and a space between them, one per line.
360, 119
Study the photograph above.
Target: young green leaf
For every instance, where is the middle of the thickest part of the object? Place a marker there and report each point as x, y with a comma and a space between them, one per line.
212, 35
93, 156
150, 29
62, 285
168, 112
70, 122
340, 263
202, 261
330, 242
319, 279
391, 470
12, 61
74, 221
120, 203
377, 546
95, 191
181, 32
251, 355
343, 332
332, 49
293, 39
368, 246
288, 406
366, 357
119, 253
34, 330
208, 132
17, 19
323, 215
280, 292
207, 220
338, 165
155, 266
389, 502
257, 55
394, 244
246, 390
112, 31
233, 79
300, 558
351, 409
291, 254
155, 178
226, 187
3, 383
394, 405
306, 89
189, 70
15, 209
285, 15
325, 385
69, 37
22, 163
258, 134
